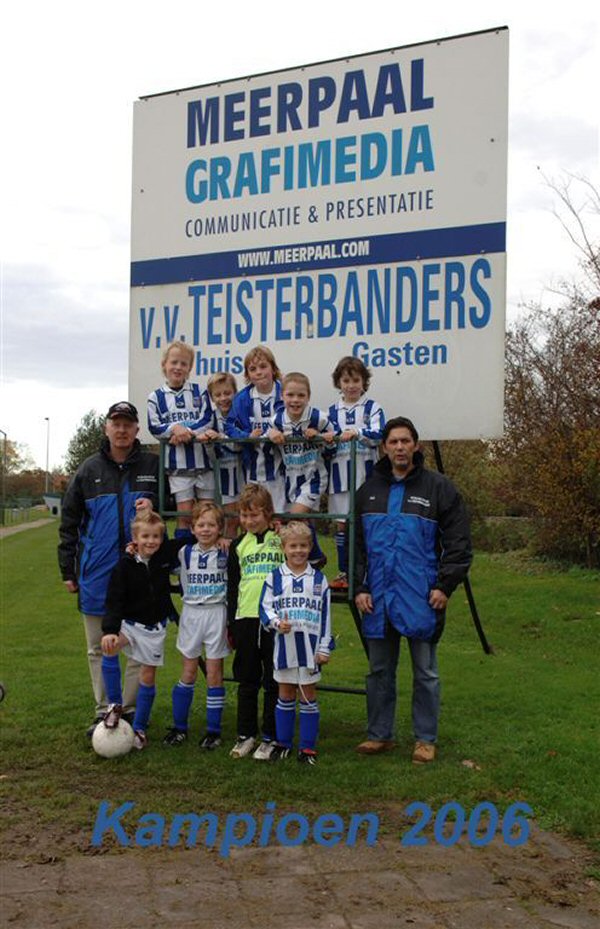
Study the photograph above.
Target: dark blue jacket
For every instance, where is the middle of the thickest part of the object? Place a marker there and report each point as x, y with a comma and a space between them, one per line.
411, 536
97, 512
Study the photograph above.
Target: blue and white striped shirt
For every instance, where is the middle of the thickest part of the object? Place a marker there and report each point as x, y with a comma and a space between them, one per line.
230, 461
203, 575
251, 410
304, 600
190, 407
303, 463
367, 419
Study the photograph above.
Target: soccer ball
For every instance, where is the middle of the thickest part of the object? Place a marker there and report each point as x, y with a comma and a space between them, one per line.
110, 743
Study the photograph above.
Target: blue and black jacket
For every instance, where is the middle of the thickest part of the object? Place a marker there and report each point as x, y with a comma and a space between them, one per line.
97, 512
412, 536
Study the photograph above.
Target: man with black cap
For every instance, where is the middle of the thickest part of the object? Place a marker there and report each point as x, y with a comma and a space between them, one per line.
98, 507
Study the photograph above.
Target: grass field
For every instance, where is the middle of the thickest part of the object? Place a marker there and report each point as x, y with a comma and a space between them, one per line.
526, 717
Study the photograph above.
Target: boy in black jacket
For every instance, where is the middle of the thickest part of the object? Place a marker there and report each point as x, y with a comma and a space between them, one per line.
138, 605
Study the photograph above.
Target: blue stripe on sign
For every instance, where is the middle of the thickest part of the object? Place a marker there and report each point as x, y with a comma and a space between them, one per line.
482, 239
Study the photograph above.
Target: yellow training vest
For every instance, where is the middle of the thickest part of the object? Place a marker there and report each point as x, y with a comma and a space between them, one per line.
257, 560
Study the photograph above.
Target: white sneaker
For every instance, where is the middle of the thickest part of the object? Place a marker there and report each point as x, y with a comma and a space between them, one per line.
243, 747
264, 751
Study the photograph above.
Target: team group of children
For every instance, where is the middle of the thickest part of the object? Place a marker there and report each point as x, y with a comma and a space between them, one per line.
261, 593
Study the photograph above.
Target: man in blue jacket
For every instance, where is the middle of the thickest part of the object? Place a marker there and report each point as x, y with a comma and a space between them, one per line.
97, 511
412, 550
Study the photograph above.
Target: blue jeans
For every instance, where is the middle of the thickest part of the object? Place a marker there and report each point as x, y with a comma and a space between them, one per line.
381, 687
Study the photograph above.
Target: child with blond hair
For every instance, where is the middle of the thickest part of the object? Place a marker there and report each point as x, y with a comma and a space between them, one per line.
295, 605
202, 626
181, 412
305, 471
138, 606
250, 417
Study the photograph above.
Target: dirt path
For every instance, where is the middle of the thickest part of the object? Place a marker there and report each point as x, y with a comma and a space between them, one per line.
542, 884
35, 524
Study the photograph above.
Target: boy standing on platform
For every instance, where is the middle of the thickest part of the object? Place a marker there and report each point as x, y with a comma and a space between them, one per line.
181, 412
355, 417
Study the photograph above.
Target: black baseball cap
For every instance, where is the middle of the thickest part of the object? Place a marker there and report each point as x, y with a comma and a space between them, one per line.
123, 408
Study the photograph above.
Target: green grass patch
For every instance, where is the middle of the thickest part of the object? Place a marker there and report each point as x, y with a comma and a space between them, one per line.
526, 717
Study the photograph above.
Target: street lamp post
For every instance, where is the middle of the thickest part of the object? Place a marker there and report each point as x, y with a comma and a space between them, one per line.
47, 418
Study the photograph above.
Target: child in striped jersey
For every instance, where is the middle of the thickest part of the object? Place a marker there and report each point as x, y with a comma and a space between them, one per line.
305, 471
222, 389
250, 417
295, 604
181, 412
203, 625
353, 416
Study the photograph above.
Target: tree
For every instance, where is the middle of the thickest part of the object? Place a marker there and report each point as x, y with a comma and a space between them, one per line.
552, 409
15, 457
85, 441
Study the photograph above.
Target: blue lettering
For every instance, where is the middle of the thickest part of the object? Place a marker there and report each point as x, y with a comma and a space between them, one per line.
328, 829
344, 159
417, 99
408, 275
199, 121
430, 295
246, 175
243, 335
372, 141
281, 307
389, 75
104, 823
233, 116
321, 94
351, 312
454, 285
153, 832
354, 97
312, 161
230, 839
289, 98
480, 319
281, 832
258, 112
419, 150
326, 304
195, 189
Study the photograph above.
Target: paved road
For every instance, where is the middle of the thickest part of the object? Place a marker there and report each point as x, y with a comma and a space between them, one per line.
542, 885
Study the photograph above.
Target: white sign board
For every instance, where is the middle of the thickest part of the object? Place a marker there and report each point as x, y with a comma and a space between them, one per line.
353, 207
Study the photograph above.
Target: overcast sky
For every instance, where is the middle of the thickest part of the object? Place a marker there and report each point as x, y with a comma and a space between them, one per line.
70, 73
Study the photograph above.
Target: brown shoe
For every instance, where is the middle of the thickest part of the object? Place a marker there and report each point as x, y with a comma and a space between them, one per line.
424, 752
373, 747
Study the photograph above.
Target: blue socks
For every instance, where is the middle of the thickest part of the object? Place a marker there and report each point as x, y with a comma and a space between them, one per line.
285, 720
342, 551
111, 673
309, 725
182, 694
143, 707
215, 701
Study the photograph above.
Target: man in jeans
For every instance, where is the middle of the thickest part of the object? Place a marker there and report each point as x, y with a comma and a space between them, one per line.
412, 550
97, 511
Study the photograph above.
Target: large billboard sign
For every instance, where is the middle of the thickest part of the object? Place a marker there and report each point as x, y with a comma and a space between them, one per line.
351, 207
